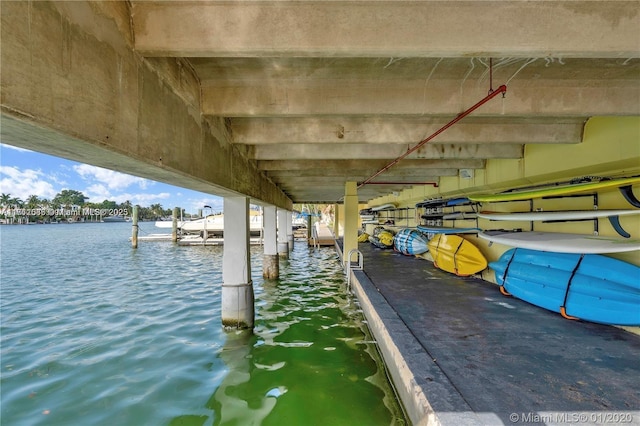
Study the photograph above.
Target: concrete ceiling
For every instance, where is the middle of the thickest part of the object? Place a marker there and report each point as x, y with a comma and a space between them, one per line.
319, 93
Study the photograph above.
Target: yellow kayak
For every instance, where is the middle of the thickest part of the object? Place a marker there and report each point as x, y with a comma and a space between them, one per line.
454, 254
386, 238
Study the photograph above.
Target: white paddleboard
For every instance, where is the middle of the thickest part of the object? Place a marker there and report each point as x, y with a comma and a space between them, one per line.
388, 206
561, 242
459, 215
557, 215
431, 231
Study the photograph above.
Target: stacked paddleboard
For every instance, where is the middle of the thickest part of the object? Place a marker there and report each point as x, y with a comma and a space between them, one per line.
623, 184
580, 286
459, 216
388, 206
443, 202
561, 242
368, 216
434, 215
567, 215
556, 215
432, 231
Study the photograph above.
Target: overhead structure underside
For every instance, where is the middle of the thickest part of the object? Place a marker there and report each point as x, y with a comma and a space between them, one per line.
315, 94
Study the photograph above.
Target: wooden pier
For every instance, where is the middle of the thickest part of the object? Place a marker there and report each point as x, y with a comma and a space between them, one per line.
321, 235
193, 240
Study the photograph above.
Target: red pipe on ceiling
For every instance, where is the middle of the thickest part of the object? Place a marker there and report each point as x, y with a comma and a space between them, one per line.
502, 89
434, 184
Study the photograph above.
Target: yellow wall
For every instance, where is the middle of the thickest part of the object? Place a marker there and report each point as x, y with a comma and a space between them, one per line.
610, 147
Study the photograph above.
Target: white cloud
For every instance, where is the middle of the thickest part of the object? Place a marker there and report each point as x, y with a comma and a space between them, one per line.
24, 183
147, 199
97, 193
112, 180
193, 205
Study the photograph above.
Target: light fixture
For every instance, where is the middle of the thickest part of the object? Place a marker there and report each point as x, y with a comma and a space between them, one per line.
466, 173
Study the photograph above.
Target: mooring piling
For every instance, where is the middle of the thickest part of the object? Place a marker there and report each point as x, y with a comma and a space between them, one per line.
174, 227
134, 228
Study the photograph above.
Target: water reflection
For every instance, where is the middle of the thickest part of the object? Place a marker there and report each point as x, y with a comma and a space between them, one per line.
308, 361
230, 405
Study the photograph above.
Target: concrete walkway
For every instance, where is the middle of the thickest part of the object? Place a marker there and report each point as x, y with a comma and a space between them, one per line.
461, 353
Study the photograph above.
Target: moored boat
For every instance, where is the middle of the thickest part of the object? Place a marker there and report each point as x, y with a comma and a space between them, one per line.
115, 218
213, 224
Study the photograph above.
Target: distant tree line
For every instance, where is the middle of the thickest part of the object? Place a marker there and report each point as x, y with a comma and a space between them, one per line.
70, 205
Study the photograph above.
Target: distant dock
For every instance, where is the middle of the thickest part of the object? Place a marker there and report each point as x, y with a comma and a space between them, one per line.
194, 240
322, 235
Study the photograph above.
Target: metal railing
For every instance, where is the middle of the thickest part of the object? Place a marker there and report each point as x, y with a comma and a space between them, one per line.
351, 266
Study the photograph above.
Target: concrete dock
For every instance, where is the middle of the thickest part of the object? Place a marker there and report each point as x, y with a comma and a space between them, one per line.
460, 353
321, 235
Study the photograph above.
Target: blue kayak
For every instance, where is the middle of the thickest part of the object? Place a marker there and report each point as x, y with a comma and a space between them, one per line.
410, 242
590, 287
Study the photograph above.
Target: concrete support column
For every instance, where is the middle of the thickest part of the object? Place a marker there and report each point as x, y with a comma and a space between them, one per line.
283, 245
270, 261
174, 225
336, 220
237, 287
290, 230
134, 229
350, 238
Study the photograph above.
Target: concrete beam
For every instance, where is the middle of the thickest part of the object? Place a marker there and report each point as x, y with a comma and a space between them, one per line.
73, 87
391, 29
333, 195
220, 71
356, 174
257, 131
319, 181
380, 151
442, 98
342, 165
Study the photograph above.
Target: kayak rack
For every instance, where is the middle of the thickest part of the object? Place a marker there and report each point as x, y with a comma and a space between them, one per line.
351, 266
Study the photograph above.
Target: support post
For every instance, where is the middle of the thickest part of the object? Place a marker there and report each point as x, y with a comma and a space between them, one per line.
174, 227
283, 245
350, 238
336, 220
290, 230
134, 228
270, 261
237, 288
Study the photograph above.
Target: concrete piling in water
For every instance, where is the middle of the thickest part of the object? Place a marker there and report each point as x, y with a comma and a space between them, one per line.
237, 288
290, 230
134, 227
174, 227
270, 261
271, 266
283, 244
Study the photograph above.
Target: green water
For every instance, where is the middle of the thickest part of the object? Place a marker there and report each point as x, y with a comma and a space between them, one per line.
93, 332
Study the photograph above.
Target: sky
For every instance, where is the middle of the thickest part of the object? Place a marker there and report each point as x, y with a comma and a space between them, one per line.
24, 173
